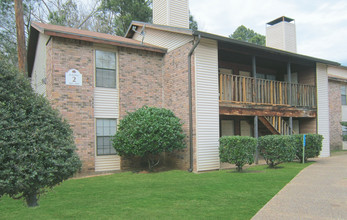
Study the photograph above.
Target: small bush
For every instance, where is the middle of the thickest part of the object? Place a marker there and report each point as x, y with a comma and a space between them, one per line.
147, 132
277, 149
237, 150
344, 124
313, 145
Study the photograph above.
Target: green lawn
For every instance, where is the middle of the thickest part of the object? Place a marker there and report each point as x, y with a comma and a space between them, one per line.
166, 195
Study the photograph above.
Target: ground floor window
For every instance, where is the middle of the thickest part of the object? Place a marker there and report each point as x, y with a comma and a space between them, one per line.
344, 133
343, 95
105, 130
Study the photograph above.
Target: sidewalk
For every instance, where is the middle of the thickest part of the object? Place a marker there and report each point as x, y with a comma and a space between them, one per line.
317, 192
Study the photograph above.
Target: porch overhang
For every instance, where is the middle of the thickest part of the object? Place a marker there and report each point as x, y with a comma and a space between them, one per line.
263, 110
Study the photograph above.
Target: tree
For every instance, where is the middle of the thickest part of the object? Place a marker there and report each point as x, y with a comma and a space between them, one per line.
122, 12
192, 23
245, 34
37, 149
61, 12
21, 48
147, 132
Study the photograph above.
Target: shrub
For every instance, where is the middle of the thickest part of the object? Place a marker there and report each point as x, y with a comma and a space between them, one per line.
313, 145
344, 124
237, 150
37, 149
277, 149
147, 132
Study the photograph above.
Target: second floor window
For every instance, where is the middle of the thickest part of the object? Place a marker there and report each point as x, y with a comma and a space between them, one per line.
105, 69
343, 95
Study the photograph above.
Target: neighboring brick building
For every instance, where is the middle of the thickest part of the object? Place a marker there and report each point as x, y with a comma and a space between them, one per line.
94, 78
338, 106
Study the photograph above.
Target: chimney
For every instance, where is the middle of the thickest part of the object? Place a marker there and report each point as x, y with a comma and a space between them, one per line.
281, 34
173, 13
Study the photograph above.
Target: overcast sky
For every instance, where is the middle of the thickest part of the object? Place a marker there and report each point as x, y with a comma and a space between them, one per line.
321, 25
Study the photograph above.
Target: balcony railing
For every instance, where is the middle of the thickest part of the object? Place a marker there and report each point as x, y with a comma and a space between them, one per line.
247, 90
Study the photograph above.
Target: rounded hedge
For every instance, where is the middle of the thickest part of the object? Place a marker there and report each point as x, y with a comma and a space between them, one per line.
147, 132
313, 145
277, 149
238, 150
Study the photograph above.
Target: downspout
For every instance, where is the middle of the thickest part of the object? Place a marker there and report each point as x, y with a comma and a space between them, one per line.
191, 102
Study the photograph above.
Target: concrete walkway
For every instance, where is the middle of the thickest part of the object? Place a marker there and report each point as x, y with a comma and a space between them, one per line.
317, 192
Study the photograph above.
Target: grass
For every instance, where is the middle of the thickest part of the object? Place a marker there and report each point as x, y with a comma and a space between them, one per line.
165, 195
338, 152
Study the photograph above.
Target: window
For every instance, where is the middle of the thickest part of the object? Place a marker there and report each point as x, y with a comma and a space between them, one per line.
260, 76
343, 95
105, 69
344, 130
105, 129
270, 77
265, 76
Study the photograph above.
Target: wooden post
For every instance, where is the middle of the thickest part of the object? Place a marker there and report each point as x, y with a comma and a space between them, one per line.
18, 7
244, 90
256, 136
290, 125
254, 73
221, 87
289, 73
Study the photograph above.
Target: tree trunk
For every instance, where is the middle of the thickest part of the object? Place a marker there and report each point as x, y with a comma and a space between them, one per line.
31, 199
21, 48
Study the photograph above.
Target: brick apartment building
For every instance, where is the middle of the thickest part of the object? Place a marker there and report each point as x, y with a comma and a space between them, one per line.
215, 85
338, 106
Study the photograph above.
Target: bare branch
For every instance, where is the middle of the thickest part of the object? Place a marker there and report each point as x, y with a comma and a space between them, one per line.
94, 10
43, 1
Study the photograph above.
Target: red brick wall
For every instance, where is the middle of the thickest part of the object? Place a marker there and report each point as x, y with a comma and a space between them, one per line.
335, 115
75, 103
140, 79
176, 95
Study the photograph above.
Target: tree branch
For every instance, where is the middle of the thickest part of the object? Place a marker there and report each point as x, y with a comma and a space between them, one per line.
90, 15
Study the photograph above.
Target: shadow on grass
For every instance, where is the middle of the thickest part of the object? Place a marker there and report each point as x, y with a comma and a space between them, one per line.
275, 167
245, 171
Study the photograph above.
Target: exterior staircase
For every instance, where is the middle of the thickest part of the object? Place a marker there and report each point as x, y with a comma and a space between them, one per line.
276, 125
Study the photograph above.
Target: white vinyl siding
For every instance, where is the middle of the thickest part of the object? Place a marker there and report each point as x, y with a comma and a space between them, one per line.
281, 36
178, 13
106, 104
337, 72
207, 105
323, 108
344, 112
107, 163
171, 13
38, 78
164, 39
160, 12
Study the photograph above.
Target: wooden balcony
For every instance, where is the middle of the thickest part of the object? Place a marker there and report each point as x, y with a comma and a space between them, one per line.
237, 89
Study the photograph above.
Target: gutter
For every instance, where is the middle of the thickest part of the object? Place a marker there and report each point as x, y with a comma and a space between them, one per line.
191, 102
